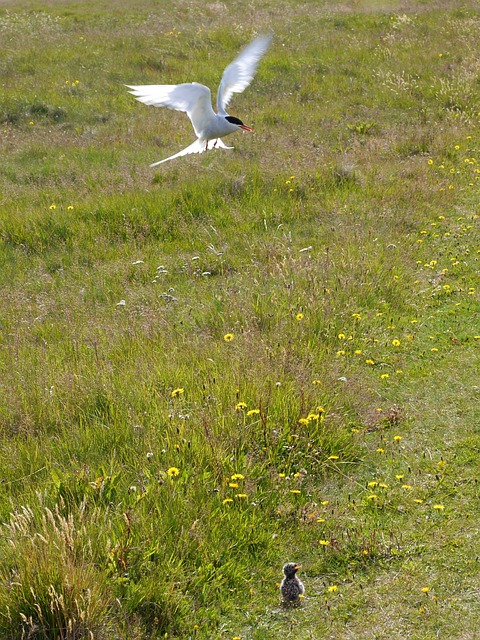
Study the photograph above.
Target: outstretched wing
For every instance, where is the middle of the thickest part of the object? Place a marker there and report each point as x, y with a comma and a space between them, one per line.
199, 146
238, 75
192, 98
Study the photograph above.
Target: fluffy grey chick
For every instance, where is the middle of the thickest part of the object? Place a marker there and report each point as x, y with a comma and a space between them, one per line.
291, 588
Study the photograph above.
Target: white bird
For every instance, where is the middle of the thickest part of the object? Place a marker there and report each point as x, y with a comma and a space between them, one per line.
195, 99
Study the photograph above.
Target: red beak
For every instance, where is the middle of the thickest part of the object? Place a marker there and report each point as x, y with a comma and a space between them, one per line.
244, 126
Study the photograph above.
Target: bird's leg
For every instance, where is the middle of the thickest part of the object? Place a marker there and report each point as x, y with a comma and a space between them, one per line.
215, 143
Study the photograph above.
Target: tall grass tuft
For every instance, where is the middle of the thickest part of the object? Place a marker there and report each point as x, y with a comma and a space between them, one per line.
54, 586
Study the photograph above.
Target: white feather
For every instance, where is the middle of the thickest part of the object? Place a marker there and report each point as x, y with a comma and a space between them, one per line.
199, 146
192, 98
239, 74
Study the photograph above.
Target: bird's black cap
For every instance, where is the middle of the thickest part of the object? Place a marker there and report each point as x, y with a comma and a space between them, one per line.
234, 120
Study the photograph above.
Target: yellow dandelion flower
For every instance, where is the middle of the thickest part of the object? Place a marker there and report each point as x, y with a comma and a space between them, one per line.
438, 507
70, 207
238, 476
177, 392
380, 450
253, 412
52, 206
228, 337
325, 502
383, 485
356, 316
241, 495
173, 472
397, 438
372, 484
324, 543
299, 316
430, 161
316, 383
370, 361
320, 519
385, 376
332, 588
282, 475
373, 496
303, 421
341, 336
396, 343
425, 589
233, 485
227, 501
407, 487
358, 352
399, 476
295, 491
418, 501
240, 406
333, 457
341, 352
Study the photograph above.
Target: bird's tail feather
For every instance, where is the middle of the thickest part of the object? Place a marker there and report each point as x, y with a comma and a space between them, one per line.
199, 146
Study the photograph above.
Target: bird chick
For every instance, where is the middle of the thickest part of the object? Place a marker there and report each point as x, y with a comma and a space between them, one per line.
291, 587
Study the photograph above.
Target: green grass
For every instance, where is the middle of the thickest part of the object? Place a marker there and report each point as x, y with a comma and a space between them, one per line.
338, 248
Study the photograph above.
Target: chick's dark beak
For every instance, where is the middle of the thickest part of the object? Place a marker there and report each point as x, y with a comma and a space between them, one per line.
244, 126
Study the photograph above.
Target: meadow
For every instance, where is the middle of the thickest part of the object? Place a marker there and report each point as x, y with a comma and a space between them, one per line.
245, 357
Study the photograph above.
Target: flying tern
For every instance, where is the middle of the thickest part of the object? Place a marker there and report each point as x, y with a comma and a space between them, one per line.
195, 100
